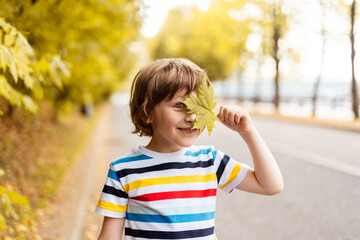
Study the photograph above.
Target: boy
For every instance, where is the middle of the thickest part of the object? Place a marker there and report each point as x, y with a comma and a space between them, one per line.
167, 189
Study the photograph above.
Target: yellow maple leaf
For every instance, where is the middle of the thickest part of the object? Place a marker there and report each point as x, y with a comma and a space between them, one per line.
202, 105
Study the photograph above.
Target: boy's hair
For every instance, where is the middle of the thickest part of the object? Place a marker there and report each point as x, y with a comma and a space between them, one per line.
158, 81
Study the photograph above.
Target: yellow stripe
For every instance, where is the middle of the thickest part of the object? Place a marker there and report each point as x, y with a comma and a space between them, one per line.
169, 180
233, 174
111, 206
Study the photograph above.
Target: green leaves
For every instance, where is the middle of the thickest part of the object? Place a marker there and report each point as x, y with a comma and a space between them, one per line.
202, 105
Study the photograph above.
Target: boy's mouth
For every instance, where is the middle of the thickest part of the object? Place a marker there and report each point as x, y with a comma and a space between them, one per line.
188, 130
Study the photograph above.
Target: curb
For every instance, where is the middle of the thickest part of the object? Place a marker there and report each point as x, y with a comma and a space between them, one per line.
351, 126
94, 146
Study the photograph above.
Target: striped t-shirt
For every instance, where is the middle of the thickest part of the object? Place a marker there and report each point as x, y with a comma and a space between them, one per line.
168, 195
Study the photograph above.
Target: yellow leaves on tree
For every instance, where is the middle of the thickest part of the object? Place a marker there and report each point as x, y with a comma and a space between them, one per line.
21, 75
202, 105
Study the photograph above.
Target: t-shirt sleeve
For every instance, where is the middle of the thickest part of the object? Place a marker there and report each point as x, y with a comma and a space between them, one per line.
229, 172
113, 200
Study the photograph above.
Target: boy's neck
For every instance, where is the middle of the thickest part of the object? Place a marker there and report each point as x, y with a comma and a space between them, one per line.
161, 148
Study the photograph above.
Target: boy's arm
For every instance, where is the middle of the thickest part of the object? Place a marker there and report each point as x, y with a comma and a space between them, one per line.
266, 177
112, 229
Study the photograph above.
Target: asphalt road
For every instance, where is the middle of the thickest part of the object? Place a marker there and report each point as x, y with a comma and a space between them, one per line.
321, 169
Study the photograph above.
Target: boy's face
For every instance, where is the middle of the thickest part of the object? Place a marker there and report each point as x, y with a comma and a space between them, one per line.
172, 126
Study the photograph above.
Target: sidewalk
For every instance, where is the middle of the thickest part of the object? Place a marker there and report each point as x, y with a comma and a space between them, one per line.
268, 111
352, 126
65, 216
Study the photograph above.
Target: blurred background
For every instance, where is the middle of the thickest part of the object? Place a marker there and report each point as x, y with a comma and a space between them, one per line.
61, 61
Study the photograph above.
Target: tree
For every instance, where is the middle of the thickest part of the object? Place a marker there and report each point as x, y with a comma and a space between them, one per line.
22, 77
275, 24
348, 9
324, 37
269, 22
354, 90
92, 36
212, 39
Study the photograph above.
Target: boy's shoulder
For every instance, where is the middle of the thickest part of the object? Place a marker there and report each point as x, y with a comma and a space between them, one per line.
133, 155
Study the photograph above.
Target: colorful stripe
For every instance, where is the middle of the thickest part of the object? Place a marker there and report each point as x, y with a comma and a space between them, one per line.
176, 194
116, 192
234, 173
222, 166
170, 218
197, 153
214, 153
131, 159
111, 206
164, 166
169, 180
169, 234
112, 175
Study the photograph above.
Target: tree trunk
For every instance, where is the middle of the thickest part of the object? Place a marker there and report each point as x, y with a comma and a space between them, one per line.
355, 98
276, 38
318, 80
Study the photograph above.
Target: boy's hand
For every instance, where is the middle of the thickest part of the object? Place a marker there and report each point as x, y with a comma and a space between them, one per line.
236, 118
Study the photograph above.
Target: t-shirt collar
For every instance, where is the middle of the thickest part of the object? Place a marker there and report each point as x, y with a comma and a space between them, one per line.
154, 154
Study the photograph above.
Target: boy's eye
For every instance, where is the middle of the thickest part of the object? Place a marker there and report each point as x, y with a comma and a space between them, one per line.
179, 105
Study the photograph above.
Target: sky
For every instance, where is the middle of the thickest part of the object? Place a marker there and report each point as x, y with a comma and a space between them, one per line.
156, 12
304, 35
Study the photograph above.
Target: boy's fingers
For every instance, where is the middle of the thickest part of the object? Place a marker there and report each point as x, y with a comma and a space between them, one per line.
237, 118
232, 118
220, 114
226, 110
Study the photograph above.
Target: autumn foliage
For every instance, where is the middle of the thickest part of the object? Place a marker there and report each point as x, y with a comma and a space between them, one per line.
55, 56
65, 52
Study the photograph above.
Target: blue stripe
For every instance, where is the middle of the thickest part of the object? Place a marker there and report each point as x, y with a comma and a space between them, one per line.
214, 154
195, 154
112, 175
131, 159
170, 218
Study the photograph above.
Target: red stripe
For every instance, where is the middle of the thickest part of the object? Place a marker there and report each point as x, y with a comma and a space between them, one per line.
176, 194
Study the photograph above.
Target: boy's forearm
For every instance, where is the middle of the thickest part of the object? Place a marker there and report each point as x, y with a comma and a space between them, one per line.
112, 229
266, 169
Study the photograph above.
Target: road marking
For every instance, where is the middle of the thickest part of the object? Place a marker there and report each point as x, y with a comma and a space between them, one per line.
313, 158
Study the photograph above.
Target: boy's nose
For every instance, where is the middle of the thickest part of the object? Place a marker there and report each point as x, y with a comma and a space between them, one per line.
190, 117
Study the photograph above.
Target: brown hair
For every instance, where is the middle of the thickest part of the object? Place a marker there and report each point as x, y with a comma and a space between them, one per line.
158, 81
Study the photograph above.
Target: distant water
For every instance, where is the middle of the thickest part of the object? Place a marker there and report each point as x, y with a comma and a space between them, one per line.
334, 99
